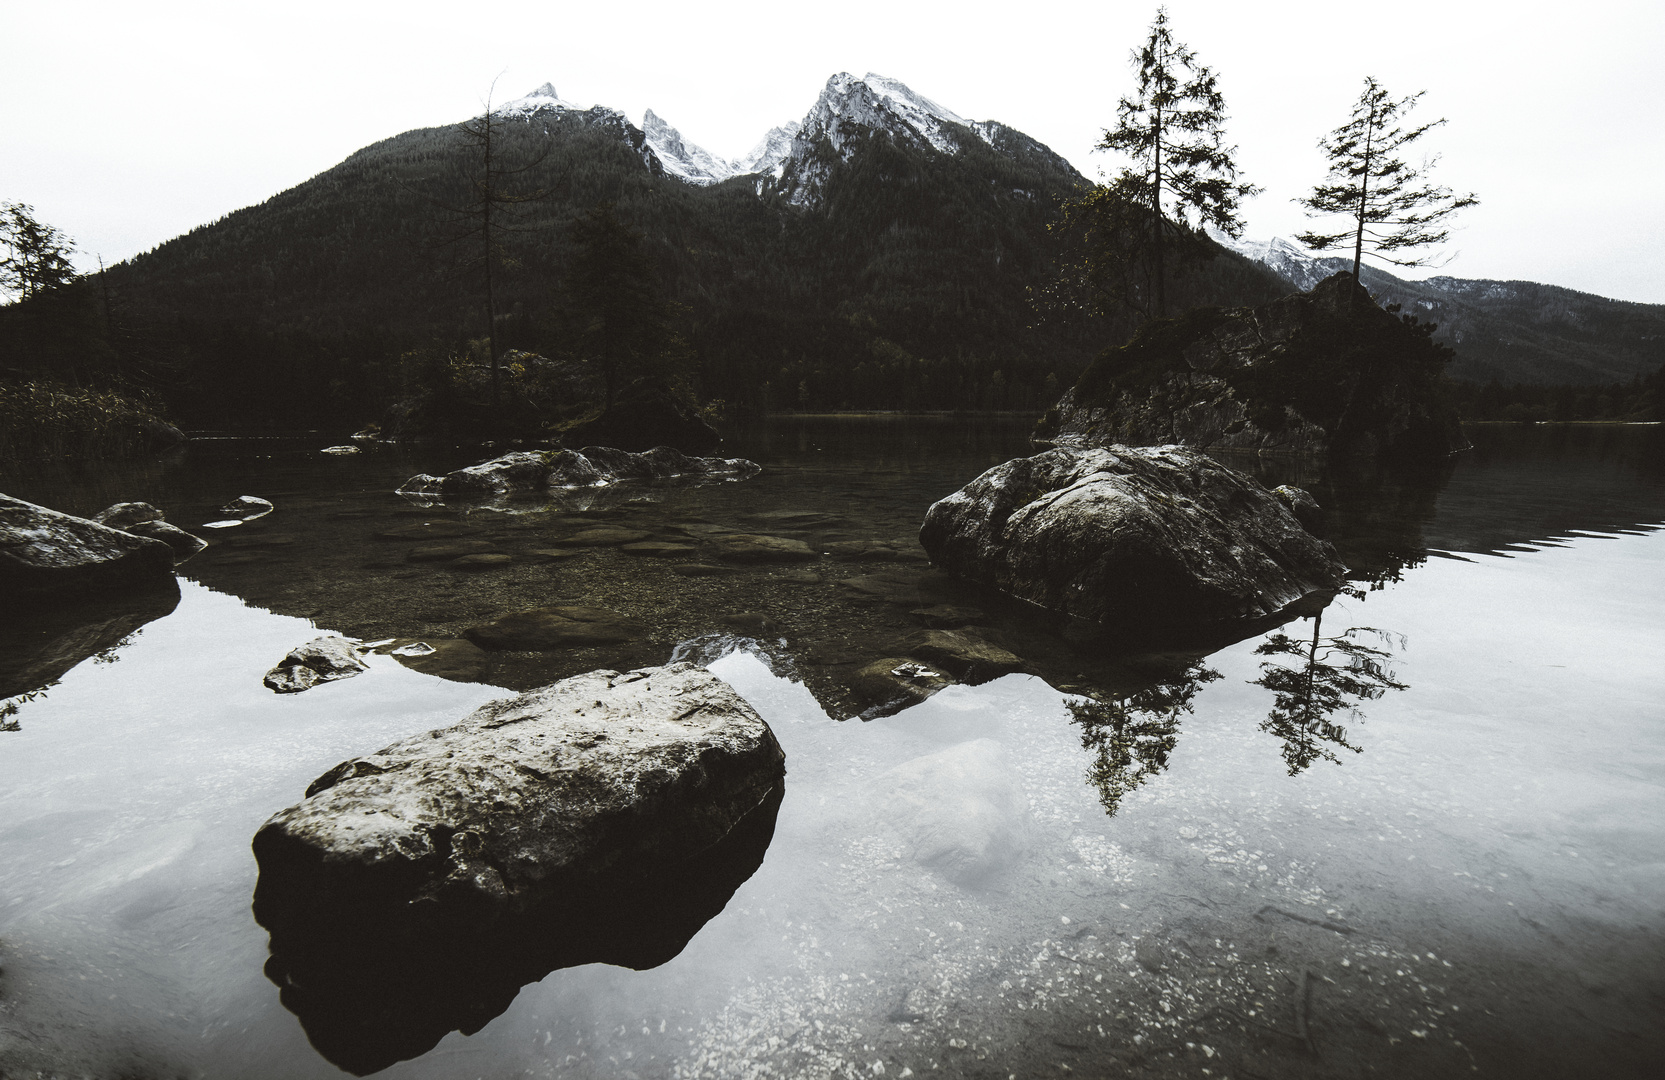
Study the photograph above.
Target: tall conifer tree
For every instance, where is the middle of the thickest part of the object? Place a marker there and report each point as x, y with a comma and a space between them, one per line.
1173, 126
1394, 210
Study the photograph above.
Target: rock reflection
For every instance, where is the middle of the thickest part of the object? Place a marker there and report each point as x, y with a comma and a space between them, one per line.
1131, 736
40, 645
376, 982
1331, 675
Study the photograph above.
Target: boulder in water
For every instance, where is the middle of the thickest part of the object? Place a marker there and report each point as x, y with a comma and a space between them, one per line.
603, 819
324, 659
46, 556
1152, 535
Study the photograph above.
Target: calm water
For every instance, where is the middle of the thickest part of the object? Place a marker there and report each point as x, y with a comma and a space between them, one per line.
1457, 868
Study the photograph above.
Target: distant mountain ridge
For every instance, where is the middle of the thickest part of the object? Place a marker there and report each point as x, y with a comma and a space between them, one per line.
846, 107
1511, 331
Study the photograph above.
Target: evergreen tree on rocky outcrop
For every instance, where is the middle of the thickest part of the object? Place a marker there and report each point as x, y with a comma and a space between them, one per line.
1184, 175
1395, 210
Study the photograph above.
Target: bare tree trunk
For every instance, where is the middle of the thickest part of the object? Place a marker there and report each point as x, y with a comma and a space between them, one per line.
1364, 189
1156, 204
485, 231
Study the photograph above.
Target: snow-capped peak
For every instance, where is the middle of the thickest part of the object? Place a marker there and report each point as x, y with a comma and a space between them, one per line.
877, 101
1287, 258
681, 158
544, 97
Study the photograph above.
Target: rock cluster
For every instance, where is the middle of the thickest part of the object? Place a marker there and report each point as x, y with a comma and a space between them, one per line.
1155, 535
536, 470
1325, 372
47, 556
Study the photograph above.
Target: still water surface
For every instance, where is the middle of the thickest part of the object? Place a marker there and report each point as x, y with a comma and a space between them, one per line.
1457, 869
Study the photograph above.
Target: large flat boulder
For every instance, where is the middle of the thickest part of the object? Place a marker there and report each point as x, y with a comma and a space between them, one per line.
603, 819
1155, 535
46, 556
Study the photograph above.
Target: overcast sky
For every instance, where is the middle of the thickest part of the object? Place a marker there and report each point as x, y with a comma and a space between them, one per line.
126, 123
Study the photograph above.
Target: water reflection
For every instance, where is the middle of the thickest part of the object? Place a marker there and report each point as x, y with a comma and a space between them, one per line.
39, 646
376, 981
1332, 675
1131, 736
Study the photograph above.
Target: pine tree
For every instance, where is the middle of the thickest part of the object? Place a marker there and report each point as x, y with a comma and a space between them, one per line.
34, 256
1394, 209
1173, 126
488, 214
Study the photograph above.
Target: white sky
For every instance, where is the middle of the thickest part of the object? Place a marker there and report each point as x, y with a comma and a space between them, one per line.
127, 123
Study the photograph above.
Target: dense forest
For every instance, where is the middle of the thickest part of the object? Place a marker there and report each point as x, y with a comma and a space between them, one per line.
904, 283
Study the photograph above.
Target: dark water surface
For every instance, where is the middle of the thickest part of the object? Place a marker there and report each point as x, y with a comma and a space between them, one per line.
1421, 835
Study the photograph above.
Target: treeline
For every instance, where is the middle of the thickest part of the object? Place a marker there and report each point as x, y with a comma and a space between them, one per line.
906, 284
1640, 399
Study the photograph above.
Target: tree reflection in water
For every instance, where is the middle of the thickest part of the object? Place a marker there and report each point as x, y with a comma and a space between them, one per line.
1332, 675
1132, 735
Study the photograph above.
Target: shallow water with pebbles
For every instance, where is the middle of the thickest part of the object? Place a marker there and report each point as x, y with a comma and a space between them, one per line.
1477, 890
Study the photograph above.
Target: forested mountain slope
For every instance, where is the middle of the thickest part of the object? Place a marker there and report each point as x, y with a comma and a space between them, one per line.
1510, 331
883, 258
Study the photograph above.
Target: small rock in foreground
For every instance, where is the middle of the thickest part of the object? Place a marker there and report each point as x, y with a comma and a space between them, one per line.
323, 659
184, 544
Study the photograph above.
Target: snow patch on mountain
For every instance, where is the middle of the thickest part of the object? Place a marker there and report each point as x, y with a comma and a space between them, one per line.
881, 103
1292, 261
681, 158
539, 100
771, 152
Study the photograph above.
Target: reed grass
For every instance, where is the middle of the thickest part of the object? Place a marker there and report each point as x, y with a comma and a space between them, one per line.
42, 421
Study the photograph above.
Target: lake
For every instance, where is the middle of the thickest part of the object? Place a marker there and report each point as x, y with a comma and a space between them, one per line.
1422, 833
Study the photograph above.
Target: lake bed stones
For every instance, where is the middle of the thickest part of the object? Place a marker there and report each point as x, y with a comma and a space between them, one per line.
556, 626
752, 548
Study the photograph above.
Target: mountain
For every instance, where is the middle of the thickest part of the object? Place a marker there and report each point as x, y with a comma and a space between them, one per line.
1510, 331
879, 253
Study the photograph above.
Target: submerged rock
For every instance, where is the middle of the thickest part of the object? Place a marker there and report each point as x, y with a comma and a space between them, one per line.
324, 659
557, 626
965, 654
1161, 535
47, 556
536, 470
184, 544
603, 819
752, 548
